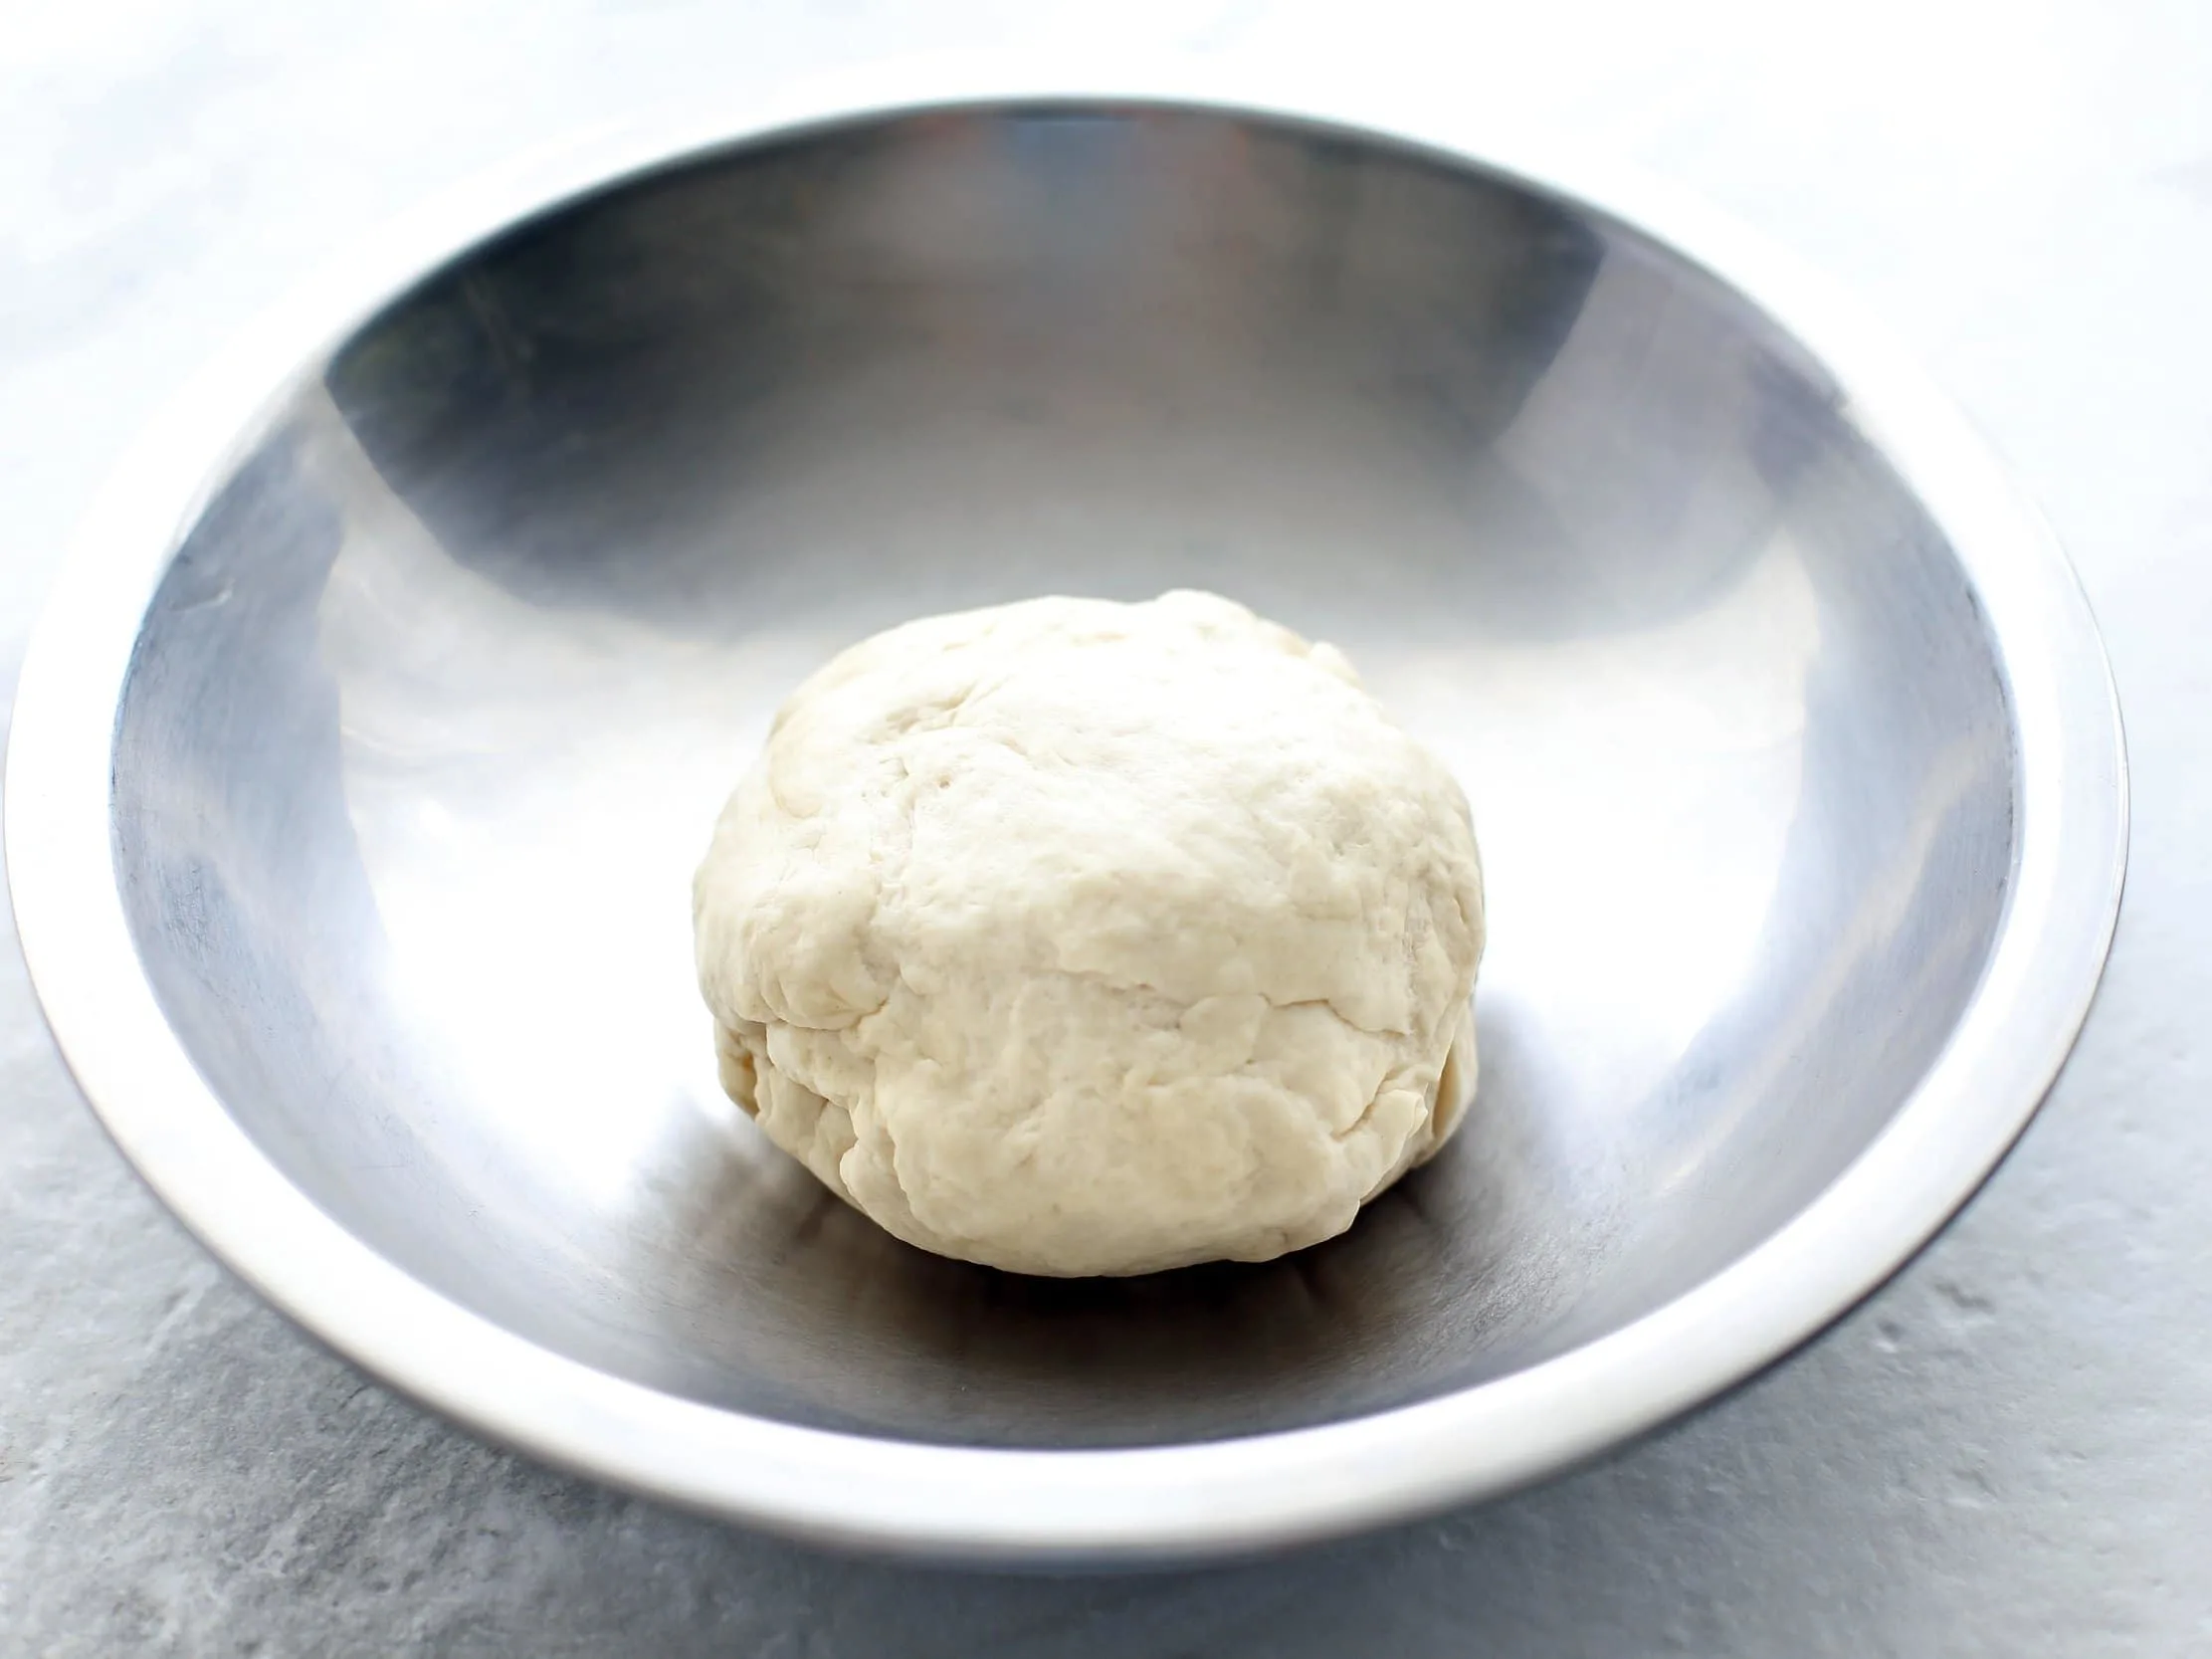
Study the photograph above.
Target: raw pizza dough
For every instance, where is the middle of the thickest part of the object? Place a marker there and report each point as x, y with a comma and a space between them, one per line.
1081, 937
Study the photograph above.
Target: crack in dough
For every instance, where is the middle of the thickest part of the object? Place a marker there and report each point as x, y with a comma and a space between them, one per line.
1080, 937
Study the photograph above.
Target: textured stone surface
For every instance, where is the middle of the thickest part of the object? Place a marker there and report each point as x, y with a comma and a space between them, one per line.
2004, 1453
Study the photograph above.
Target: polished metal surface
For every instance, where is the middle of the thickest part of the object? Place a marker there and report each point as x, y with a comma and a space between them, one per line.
1789, 741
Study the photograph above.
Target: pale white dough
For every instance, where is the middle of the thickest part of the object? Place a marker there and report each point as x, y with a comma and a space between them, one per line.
1080, 937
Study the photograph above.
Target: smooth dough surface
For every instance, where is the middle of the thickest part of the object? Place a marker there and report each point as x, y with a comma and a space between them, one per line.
1080, 937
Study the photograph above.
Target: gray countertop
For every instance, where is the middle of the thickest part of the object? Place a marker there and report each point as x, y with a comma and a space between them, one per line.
2006, 1452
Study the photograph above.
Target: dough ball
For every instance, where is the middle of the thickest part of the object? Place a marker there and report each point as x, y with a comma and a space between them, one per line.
1078, 938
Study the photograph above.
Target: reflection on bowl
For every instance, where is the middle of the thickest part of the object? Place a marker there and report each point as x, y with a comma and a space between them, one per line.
1788, 741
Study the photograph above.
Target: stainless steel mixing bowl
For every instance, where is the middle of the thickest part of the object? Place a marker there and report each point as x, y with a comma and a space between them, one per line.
363, 757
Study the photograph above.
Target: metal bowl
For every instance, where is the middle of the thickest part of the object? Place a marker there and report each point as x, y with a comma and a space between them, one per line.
363, 759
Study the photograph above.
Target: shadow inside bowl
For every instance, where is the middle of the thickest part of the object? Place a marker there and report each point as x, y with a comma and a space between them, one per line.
869, 1334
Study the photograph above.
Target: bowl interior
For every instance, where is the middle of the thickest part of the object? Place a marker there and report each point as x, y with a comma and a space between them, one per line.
429, 720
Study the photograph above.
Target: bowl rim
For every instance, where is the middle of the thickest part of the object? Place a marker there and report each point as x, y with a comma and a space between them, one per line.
1128, 1505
